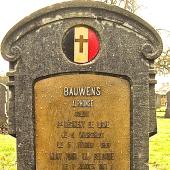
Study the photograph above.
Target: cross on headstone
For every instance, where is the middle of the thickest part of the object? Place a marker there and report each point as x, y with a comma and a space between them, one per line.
81, 41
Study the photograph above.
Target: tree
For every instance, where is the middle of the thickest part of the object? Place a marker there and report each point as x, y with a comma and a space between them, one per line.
162, 64
129, 5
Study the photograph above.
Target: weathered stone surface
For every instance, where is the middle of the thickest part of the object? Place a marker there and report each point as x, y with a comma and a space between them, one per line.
167, 114
3, 105
128, 47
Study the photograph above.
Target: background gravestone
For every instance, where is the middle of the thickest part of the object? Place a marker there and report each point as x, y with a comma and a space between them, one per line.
78, 107
158, 101
4, 80
10, 105
3, 105
167, 114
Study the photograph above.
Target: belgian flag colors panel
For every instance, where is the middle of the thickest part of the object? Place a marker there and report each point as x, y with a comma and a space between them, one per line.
81, 44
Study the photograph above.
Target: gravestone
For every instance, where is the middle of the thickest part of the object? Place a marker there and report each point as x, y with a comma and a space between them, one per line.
3, 79
158, 100
3, 105
82, 87
163, 100
167, 114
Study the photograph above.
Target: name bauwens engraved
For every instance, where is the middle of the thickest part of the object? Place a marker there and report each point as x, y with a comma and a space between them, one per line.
82, 91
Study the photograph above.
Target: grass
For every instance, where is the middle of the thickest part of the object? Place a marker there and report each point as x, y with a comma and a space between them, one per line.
159, 147
7, 152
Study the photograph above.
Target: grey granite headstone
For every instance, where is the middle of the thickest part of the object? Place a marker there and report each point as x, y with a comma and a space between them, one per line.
38, 50
167, 114
158, 100
3, 105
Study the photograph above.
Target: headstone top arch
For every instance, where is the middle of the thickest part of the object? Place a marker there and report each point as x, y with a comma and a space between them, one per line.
94, 10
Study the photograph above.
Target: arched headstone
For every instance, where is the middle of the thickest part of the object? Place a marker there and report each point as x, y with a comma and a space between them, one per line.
82, 87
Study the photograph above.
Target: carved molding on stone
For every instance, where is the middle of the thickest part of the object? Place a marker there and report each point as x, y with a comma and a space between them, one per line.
150, 52
14, 54
41, 18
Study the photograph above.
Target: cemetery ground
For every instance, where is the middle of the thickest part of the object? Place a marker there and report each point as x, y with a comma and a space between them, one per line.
160, 144
7, 152
159, 147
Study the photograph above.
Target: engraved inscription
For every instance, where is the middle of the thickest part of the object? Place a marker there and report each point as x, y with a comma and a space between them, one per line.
82, 91
82, 123
82, 103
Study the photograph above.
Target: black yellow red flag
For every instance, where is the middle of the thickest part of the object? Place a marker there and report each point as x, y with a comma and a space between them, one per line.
81, 44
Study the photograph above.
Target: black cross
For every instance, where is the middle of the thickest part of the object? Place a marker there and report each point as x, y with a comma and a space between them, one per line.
81, 41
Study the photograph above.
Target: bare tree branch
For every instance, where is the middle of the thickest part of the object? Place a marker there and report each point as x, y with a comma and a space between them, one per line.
162, 64
130, 5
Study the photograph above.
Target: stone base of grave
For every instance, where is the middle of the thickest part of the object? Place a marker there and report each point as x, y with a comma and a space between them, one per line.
167, 114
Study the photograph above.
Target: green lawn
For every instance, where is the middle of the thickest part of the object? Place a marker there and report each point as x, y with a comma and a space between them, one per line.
159, 148
7, 152
160, 145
